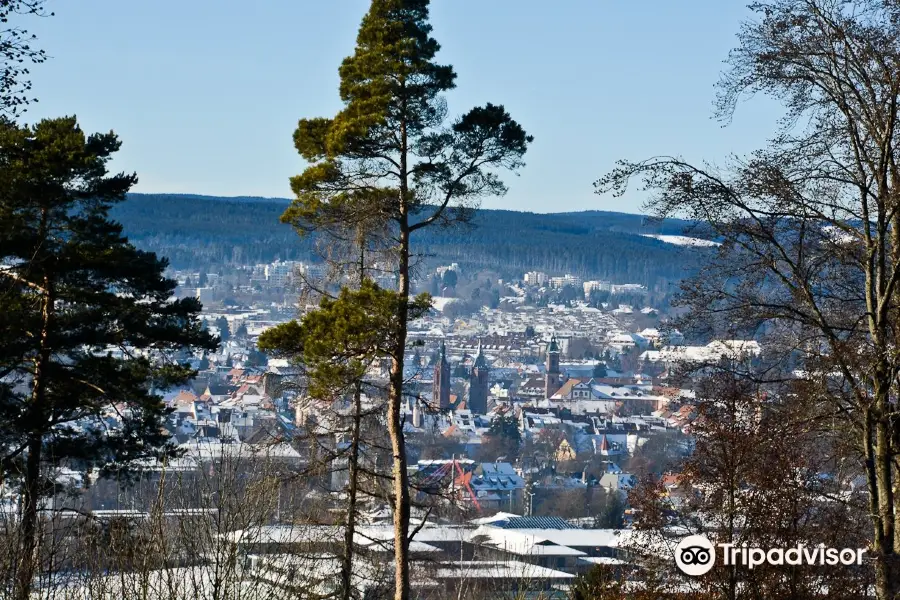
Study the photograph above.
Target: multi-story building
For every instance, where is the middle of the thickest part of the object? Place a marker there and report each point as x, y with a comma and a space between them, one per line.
312, 271
205, 294
536, 278
567, 279
280, 273
596, 286
628, 288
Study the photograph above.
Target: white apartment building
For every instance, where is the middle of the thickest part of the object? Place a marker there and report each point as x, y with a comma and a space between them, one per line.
280, 273
596, 286
205, 294
536, 278
567, 279
628, 288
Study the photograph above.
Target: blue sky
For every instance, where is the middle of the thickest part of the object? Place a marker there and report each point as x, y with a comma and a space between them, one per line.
205, 94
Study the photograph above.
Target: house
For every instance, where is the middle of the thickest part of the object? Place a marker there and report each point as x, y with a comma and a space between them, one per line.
623, 342
534, 420
184, 398
606, 447
565, 452
463, 422
494, 485
574, 389
652, 335
594, 398
532, 387
215, 392
619, 482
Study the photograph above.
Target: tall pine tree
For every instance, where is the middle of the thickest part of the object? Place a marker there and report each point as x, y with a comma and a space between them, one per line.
87, 321
390, 156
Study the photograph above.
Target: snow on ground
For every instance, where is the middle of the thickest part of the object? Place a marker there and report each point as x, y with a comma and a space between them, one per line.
681, 240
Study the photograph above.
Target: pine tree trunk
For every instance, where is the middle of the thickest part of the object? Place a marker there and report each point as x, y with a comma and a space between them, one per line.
395, 429
395, 395
28, 539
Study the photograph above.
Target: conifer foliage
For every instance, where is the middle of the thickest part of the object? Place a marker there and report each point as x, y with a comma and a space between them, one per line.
87, 320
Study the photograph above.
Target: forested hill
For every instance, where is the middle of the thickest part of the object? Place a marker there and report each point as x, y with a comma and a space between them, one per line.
195, 231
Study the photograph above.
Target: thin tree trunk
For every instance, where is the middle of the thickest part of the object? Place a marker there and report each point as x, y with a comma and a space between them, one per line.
882, 542
353, 474
732, 511
31, 487
892, 426
887, 576
353, 459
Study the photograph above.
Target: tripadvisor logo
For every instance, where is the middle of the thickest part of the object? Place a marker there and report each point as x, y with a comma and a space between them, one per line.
695, 555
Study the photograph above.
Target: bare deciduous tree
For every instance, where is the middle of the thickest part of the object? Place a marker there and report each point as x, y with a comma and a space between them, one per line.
810, 225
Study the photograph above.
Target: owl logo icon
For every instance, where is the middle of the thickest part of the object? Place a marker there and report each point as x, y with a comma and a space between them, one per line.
695, 555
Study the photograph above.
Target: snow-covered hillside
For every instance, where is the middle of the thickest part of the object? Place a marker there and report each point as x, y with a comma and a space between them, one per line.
682, 240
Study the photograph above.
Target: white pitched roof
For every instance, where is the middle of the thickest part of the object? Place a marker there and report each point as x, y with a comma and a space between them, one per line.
523, 542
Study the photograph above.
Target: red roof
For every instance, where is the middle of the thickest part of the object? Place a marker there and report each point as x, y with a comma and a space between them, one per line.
185, 397
671, 479
604, 444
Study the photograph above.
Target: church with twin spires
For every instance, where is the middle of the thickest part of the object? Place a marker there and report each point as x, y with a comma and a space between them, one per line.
479, 382
479, 378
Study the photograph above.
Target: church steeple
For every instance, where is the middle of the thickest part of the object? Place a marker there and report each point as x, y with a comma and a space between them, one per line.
440, 389
552, 380
480, 360
478, 383
554, 346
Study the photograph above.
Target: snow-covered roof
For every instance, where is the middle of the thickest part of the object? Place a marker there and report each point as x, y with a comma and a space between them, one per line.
523, 542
